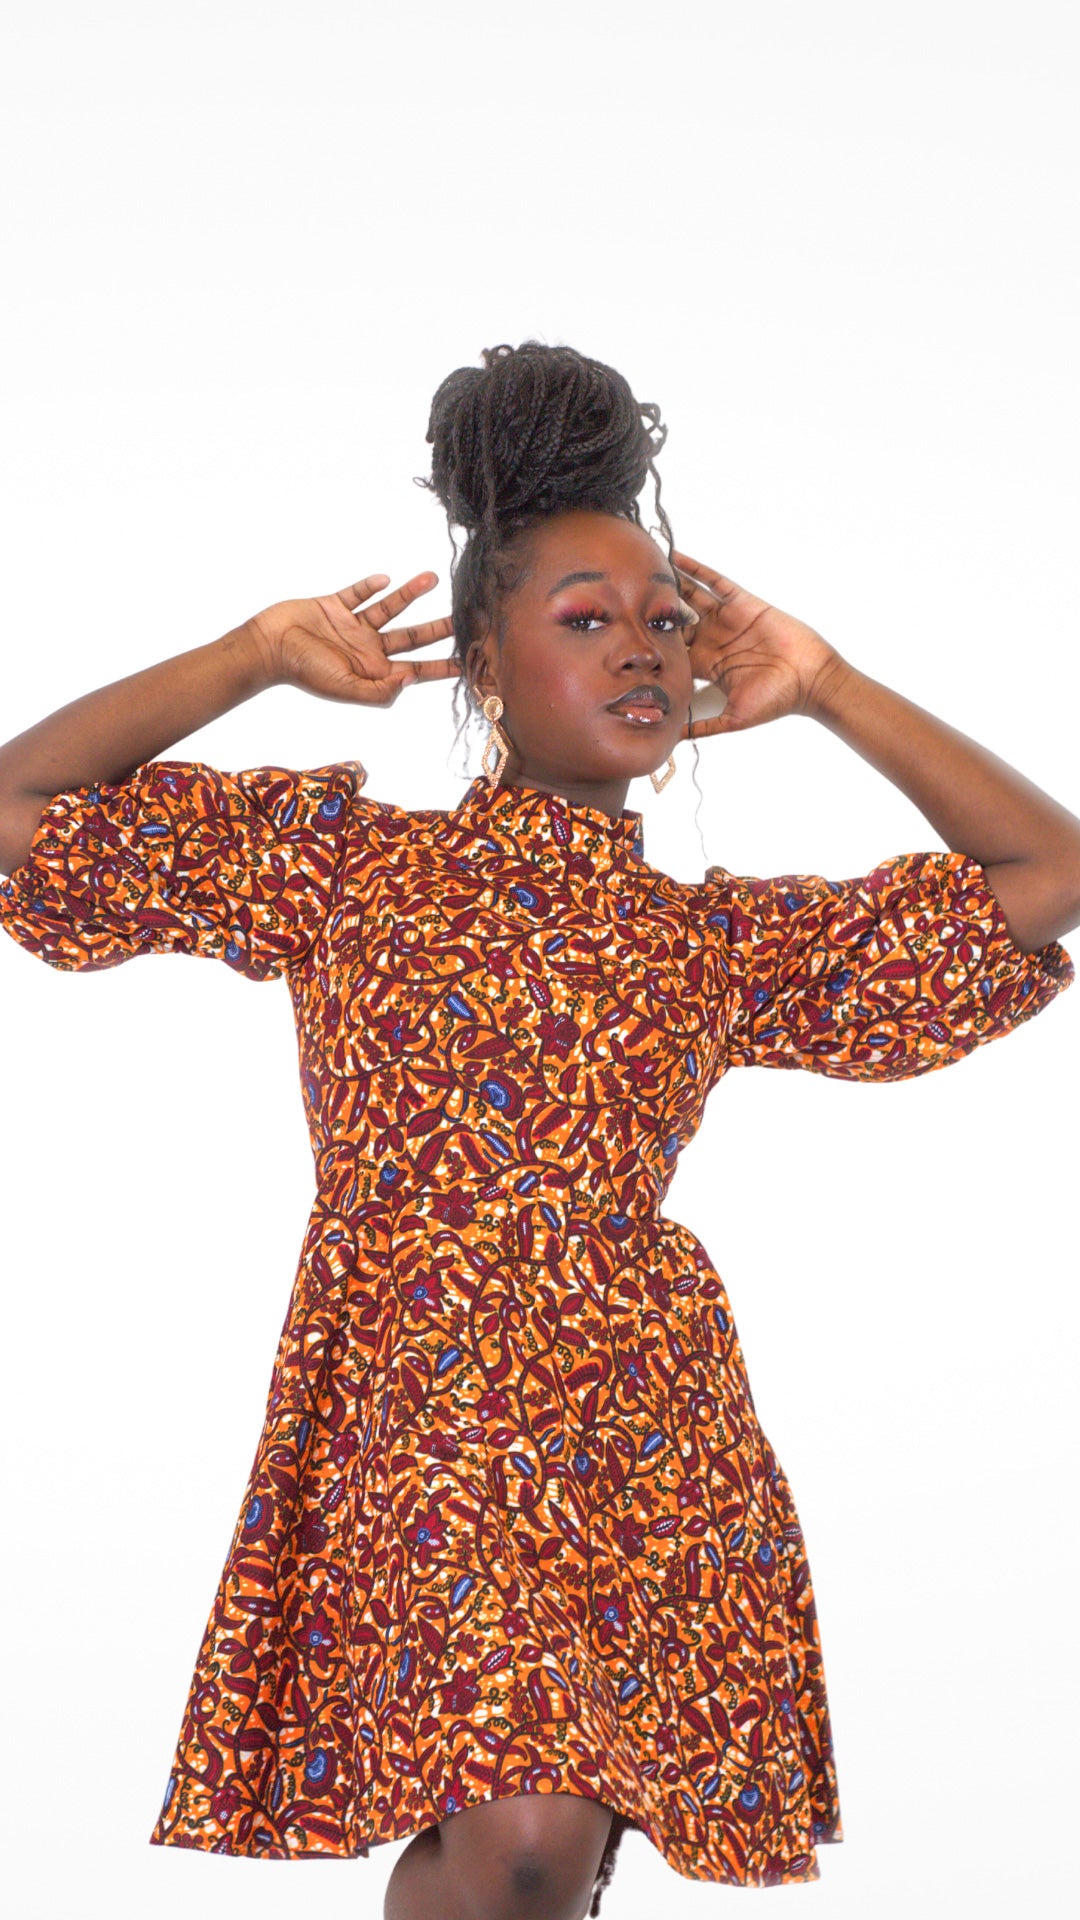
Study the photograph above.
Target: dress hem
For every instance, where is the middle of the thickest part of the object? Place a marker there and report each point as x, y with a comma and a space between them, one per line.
673, 1854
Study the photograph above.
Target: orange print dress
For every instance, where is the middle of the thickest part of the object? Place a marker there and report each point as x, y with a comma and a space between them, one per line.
512, 1524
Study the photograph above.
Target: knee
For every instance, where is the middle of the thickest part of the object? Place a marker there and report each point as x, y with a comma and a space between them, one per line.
526, 1855
531, 1876
543, 1880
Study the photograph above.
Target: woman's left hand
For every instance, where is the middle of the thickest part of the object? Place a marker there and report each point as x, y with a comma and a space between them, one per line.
766, 662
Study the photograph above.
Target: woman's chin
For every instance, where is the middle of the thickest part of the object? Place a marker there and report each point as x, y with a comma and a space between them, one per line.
639, 758
644, 745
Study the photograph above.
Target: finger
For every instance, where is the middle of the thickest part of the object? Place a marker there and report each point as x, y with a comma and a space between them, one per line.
385, 609
389, 685
718, 583
363, 589
400, 639
446, 669
696, 590
701, 729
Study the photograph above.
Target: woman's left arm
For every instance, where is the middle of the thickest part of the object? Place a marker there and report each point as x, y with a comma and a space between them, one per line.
769, 664
1027, 843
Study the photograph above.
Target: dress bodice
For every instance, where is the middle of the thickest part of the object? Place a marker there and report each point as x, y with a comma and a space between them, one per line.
516, 984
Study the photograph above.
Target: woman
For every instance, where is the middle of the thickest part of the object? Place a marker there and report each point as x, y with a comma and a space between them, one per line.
516, 1566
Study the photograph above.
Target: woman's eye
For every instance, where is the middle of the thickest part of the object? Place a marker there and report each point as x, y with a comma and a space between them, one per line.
579, 617
578, 614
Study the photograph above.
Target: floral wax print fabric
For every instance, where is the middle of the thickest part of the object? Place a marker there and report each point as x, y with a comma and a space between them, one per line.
879, 978
182, 858
513, 1525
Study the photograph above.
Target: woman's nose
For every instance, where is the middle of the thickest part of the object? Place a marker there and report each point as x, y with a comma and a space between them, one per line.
644, 645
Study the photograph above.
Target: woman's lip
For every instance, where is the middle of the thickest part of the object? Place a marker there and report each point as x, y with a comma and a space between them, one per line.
641, 697
642, 713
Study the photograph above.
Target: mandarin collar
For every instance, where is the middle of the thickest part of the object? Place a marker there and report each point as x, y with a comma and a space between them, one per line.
527, 821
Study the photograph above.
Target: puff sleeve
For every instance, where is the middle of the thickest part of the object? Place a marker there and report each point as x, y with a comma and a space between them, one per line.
183, 858
878, 978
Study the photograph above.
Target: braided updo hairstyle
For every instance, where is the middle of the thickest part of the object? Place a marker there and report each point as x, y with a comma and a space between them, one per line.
535, 431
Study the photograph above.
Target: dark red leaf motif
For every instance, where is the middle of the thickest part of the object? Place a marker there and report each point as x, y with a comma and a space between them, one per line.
428, 1156
254, 1570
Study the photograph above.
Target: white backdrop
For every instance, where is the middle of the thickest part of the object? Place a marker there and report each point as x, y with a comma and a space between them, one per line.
838, 246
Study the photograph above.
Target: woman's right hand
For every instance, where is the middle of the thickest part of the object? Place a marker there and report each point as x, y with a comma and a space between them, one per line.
340, 649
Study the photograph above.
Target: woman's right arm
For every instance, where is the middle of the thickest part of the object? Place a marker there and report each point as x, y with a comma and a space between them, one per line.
331, 647
106, 734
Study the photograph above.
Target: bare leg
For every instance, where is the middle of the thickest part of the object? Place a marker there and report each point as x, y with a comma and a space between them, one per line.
531, 1856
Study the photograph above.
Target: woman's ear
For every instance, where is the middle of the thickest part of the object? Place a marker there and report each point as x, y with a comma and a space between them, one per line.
477, 669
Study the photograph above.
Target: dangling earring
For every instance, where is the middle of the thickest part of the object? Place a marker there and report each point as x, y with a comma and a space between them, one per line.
496, 740
660, 784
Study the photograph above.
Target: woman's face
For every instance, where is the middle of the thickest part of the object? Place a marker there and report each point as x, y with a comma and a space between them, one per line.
572, 646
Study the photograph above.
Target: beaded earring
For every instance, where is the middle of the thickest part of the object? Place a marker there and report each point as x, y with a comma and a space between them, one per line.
496, 741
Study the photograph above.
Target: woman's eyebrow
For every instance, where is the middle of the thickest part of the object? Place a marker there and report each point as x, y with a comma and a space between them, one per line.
570, 579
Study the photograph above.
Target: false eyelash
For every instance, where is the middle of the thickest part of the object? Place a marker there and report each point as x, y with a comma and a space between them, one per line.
675, 614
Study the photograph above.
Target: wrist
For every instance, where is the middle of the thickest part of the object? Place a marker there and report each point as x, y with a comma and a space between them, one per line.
255, 648
830, 690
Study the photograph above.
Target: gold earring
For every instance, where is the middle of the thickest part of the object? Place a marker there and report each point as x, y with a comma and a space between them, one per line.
493, 708
659, 785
